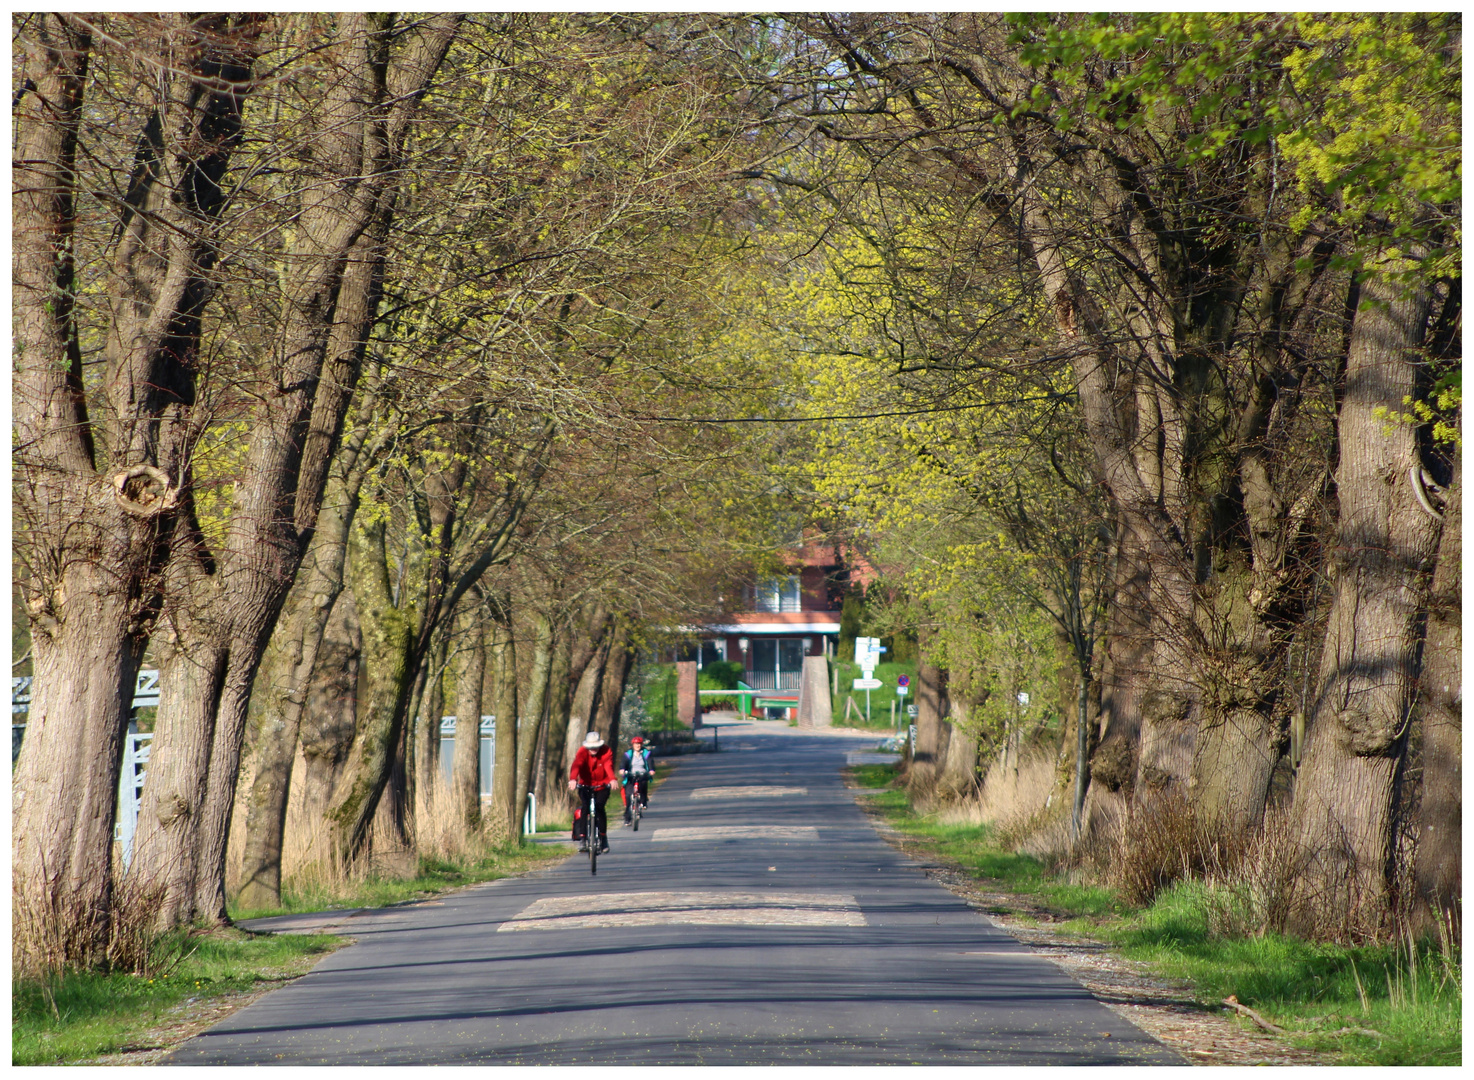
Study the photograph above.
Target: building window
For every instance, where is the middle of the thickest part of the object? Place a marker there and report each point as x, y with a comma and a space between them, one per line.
777, 663
778, 594
711, 652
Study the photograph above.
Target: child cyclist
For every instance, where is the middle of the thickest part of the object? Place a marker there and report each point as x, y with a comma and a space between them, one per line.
637, 768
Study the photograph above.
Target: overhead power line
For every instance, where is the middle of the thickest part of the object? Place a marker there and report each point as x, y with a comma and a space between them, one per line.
855, 416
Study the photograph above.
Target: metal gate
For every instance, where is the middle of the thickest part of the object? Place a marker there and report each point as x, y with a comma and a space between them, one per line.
135, 751
130, 791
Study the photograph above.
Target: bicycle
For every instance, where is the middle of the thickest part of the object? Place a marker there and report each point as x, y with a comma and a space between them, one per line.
636, 807
591, 833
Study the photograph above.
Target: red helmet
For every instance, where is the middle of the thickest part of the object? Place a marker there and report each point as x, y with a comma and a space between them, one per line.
638, 739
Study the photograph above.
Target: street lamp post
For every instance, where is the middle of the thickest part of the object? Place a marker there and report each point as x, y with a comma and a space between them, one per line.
742, 644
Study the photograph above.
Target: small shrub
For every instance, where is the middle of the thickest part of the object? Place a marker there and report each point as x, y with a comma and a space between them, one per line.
1165, 841
135, 944
719, 675
1260, 892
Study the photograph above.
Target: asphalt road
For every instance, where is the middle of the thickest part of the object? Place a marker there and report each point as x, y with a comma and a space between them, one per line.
755, 918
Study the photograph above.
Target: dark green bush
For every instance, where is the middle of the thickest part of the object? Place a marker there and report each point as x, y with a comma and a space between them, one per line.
720, 675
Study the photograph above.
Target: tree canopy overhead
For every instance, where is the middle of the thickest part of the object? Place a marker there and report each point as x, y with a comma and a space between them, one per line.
1126, 347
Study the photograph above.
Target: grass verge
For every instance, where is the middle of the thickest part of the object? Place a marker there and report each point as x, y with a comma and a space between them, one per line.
77, 1016
1360, 1005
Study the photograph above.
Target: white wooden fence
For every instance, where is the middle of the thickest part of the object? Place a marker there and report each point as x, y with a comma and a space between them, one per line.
137, 744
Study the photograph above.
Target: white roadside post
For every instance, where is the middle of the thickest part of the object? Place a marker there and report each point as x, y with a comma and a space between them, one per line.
903, 687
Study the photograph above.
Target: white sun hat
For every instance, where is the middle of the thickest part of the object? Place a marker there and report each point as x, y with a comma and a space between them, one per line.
593, 740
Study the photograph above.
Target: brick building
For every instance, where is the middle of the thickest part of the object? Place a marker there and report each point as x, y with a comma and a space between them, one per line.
787, 617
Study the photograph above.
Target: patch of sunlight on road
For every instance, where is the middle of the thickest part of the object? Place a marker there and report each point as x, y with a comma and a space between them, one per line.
756, 792
737, 832
688, 908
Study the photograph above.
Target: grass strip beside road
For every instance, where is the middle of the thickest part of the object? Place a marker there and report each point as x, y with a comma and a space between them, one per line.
1361, 1005
197, 979
78, 1016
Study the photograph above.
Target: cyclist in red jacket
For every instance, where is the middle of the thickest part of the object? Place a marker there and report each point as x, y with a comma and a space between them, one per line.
593, 770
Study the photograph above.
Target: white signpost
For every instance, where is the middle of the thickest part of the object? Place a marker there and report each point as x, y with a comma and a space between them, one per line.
867, 655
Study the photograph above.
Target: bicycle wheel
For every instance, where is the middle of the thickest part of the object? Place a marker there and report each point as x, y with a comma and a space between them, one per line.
635, 814
593, 834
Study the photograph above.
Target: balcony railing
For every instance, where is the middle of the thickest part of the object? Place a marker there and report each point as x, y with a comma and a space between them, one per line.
773, 680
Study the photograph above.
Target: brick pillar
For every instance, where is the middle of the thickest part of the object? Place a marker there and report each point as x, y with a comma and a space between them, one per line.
688, 701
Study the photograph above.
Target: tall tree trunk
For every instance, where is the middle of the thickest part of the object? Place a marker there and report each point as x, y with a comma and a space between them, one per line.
470, 669
1082, 755
282, 689
534, 715
223, 615
331, 716
502, 823
958, 776
611, 694
181, 174
1124, 670
926, 759
96, 532
584, 710
86, 644
427, 730
1342, 809
555, 730
1233, 761
1438, 858
388, 640
1241, 734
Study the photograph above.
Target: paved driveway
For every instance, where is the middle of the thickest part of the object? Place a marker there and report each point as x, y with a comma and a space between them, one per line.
755, 918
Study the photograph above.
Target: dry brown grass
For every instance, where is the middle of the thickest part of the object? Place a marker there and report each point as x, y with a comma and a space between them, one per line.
1159, 843
1259, 893
1020, 797
1017, 797
311, 867
48, 938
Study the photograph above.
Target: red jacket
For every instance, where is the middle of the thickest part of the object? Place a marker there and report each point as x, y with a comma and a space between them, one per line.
593, 768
